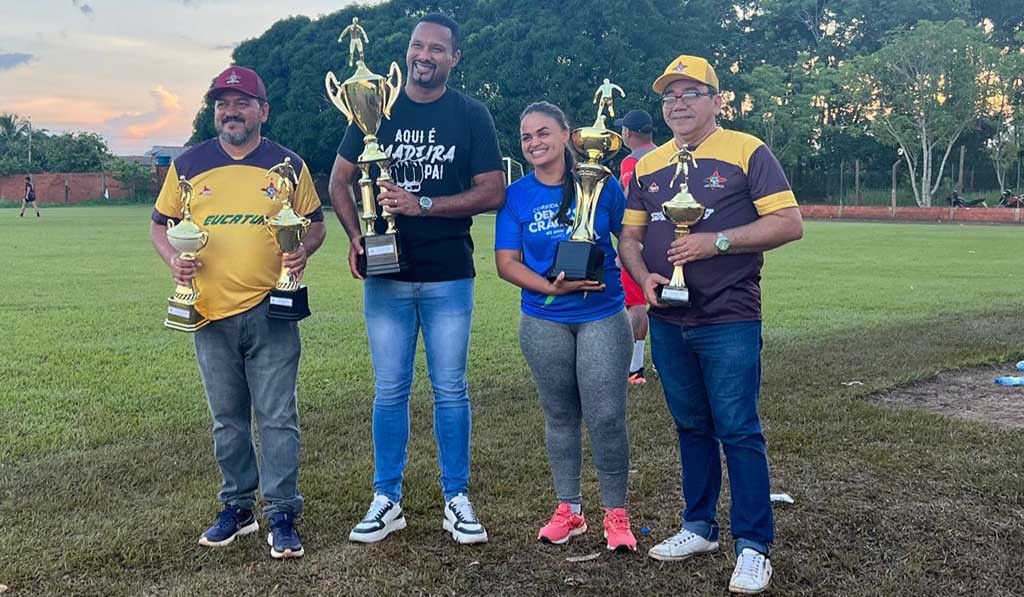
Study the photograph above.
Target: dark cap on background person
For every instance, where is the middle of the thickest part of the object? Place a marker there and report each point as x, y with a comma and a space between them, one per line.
240, 79
636, 120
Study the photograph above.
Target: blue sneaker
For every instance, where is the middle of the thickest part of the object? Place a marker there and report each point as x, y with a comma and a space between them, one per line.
283, 538
231, 522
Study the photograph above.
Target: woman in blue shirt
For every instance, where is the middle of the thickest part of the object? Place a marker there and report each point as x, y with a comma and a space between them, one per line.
575, 335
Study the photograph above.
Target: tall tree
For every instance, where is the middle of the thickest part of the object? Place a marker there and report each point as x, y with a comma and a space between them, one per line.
921, 90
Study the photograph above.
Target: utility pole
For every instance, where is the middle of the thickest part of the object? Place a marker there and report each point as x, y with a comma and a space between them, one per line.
29, 145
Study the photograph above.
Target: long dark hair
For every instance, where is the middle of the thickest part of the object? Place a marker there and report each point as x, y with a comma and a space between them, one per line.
568, 182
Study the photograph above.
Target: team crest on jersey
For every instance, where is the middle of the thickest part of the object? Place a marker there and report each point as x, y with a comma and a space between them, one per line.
270, 190
654, 188
206, 192
715, 181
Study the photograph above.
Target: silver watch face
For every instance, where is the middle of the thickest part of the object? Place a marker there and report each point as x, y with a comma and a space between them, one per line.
426, 202
722, 244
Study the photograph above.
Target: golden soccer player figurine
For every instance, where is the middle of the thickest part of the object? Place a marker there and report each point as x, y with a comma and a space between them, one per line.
358, 35
606, 94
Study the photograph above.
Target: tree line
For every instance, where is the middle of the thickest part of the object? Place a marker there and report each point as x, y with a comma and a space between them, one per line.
823, 82
25, 150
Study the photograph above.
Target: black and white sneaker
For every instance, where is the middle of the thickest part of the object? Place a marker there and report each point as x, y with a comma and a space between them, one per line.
460, 520
383, 517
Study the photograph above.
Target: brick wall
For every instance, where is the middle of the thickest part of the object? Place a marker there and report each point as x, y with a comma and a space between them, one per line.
63, 188
991, 215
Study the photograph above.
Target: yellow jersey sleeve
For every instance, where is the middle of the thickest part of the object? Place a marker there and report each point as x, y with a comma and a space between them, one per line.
168, 202
306, 199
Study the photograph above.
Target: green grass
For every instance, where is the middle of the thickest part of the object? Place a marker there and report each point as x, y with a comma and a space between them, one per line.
107, 474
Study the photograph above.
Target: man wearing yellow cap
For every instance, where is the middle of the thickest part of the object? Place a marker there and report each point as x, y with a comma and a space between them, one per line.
708, 354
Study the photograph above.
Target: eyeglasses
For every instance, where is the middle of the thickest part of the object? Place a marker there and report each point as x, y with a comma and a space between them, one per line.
687, 97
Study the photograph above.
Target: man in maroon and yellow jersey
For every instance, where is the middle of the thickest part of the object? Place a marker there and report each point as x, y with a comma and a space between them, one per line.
708, 354
248, 362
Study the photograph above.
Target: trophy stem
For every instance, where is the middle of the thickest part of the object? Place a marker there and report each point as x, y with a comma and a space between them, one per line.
386, 177
286, 282
366, 196
678, 281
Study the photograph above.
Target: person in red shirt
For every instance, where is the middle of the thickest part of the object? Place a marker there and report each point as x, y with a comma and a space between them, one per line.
637, 133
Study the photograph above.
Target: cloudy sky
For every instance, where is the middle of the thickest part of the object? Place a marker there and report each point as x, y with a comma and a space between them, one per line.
132, 70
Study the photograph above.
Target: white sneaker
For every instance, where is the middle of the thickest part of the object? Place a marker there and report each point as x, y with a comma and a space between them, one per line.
753, 573
383, 517
460, 520
681, 546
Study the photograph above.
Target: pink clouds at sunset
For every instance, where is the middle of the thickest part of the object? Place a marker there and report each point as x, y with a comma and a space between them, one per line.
134, 71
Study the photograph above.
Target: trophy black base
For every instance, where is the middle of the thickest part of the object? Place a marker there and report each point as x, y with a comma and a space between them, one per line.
382, 255
580, 260
291, 305
183, 317
675, 296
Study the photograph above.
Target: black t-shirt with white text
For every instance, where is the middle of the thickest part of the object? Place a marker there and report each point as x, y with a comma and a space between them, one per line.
436, 149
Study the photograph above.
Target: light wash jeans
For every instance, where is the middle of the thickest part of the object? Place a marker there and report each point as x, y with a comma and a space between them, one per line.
395, 312
249, 364
712, 380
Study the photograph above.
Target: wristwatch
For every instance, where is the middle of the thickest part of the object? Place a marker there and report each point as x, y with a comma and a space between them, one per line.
722, 243
425, 204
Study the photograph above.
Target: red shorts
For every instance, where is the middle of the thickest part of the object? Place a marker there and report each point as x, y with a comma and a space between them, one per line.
634, 295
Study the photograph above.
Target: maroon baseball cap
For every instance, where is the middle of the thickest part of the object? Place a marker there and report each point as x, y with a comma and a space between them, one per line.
240, 79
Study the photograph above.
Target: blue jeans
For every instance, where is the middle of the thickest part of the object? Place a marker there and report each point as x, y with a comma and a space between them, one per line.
249, 364
712, 379
395, 312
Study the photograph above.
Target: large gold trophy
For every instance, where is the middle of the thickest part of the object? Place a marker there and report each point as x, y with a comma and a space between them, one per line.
366, 99
188, 239
289, 299
580, 257
683, 211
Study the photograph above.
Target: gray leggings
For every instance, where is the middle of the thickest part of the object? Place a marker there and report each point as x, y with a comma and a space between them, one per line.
580, 371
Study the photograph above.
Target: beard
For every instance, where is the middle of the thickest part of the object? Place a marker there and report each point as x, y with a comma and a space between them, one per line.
239, 138
430, 80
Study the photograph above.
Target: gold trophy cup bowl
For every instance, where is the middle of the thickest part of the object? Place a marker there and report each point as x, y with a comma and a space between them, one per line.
289, 299
580, 257
366, 99
683, 211
188, 240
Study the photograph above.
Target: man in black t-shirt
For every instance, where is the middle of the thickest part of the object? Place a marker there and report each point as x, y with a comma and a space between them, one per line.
29, 198
446, 168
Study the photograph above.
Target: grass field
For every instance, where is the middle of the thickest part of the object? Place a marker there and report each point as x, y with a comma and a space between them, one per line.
107, 473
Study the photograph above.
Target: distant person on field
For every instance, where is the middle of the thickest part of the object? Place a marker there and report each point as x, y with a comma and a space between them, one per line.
29, 198
637, 133
574, 334
248, 362
708, 354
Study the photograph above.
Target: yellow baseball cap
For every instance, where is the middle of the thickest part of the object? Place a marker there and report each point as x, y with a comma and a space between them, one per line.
694, 68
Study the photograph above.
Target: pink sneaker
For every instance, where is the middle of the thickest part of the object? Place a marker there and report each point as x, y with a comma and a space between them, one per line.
616, 530
564, 525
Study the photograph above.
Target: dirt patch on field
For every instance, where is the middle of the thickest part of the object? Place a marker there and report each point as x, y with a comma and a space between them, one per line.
966, 393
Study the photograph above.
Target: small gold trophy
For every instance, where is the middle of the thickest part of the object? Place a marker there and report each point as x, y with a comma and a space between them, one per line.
580, 257
683, 211
188, 239
366, 99
288, 299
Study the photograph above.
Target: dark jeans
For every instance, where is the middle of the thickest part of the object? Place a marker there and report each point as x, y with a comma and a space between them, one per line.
249, 365
712, 378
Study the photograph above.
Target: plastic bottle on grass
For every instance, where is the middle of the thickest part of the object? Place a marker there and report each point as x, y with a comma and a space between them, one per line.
1020, 365
1010, 380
